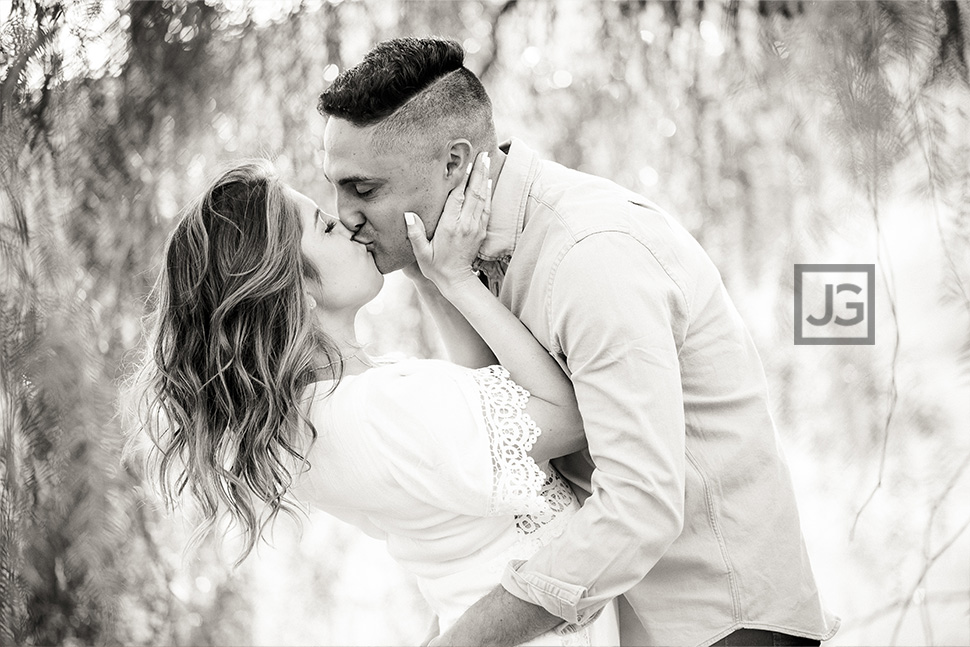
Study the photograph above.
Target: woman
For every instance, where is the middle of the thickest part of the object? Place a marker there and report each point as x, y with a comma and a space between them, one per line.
257, 393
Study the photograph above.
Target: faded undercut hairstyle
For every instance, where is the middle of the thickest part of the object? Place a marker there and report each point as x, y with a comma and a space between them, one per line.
230, 352
418, 92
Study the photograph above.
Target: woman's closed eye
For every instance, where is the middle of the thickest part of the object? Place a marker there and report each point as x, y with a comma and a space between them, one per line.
329, 222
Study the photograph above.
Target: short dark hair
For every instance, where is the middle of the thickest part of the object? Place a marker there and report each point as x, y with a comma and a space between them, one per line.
412, 86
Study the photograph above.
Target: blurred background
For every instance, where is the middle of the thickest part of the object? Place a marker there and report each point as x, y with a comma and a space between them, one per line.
776, 132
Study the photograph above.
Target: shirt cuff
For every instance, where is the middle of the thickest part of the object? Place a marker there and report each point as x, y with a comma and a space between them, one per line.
558, 598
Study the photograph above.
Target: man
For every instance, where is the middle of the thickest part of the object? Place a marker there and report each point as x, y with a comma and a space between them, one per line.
690, 514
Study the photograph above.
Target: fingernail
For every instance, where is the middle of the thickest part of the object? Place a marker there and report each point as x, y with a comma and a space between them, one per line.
468, 169
490, 186
409, 217
488, 162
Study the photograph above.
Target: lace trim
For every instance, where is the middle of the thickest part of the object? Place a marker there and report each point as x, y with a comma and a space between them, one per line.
558, 497
517, 481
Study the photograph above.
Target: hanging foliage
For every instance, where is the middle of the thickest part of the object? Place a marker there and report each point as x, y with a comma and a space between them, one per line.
774, 130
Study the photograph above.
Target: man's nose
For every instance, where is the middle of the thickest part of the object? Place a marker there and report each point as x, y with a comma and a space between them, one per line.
351, 218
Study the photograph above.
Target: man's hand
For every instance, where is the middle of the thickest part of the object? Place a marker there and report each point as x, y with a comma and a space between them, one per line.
499, 619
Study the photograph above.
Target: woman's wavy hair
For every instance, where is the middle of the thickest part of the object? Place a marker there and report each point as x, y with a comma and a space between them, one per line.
231, 349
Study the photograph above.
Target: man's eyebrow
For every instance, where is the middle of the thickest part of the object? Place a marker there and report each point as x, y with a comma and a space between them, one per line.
354, 179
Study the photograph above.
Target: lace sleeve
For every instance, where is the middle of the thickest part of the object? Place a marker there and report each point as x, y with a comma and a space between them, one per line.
516, 479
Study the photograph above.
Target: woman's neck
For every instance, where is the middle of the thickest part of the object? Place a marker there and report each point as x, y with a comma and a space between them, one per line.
340, 329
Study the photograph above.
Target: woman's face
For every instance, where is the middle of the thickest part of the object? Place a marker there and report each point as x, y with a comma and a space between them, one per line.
348, 276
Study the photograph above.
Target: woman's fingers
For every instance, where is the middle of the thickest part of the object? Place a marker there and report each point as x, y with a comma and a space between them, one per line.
460, 229
466, 198
456, 198
475, 191
418, 236
486, 209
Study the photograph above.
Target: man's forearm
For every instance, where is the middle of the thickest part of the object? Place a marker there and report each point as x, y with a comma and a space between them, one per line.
499, 619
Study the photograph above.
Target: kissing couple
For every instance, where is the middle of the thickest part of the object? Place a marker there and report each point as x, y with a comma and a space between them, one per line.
595, 464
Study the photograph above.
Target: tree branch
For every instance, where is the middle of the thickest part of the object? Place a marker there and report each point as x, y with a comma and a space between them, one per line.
493, 55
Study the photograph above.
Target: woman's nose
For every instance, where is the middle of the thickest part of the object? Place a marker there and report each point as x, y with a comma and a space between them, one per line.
347, 231
341, 226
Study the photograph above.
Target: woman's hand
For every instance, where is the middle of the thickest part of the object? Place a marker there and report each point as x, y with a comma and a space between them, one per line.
447, 259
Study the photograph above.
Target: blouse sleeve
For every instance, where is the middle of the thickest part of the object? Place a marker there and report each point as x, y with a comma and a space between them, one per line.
458, 439
516, 479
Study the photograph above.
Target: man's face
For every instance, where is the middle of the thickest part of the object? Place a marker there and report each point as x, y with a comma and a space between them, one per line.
374, 189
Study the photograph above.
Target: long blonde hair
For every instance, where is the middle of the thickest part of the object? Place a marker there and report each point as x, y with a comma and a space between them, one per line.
230, 353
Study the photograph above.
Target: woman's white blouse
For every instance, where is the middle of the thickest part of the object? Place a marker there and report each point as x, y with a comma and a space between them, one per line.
433, 458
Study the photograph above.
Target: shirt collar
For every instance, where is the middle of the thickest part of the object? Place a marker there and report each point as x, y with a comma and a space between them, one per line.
509, 201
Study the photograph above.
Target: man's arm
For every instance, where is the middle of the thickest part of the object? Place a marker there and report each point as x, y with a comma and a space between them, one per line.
498, 619
619, 318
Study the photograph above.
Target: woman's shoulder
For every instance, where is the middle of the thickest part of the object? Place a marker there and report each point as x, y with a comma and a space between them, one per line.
414, 392
434, 378
397, 386
413, 372
386, 372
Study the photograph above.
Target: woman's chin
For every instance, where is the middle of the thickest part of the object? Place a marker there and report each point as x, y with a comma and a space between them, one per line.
374, 291
379, 286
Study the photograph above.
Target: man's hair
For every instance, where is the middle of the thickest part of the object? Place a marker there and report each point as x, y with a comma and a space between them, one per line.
417, 90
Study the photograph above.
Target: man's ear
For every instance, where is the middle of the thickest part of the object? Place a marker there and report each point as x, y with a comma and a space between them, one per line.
460, 154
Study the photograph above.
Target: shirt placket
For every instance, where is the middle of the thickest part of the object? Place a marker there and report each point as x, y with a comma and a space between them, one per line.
493, 273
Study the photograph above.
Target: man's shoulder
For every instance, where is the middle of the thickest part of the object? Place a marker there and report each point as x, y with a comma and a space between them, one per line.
577, 205
572, 193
